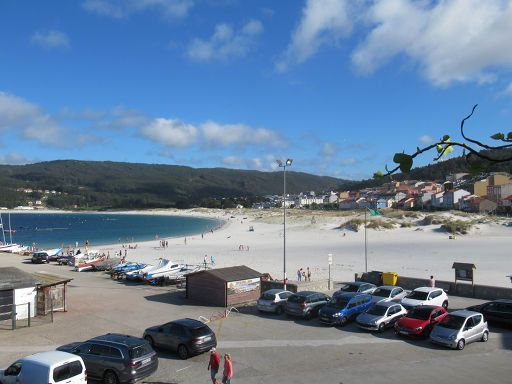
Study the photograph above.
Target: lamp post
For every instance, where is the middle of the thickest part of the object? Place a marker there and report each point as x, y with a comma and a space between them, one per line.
283, 165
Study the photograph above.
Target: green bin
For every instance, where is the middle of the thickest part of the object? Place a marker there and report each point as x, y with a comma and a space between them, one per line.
389, 278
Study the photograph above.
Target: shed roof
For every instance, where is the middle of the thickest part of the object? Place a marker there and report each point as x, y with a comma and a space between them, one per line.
463, 266
48, 279
14, 278
240, 272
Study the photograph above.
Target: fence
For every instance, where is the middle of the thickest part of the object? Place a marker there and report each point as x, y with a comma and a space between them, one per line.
12, 322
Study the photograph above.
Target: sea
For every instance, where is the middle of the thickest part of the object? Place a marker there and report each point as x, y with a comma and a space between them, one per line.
47, 230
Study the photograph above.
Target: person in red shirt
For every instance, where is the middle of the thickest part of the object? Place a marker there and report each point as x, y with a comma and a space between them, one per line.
213, 365
228, 369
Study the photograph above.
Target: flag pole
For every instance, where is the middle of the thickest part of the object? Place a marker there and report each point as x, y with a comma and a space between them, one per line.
365, 244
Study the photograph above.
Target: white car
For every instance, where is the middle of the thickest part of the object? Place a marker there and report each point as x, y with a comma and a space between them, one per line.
388, 293
425, 296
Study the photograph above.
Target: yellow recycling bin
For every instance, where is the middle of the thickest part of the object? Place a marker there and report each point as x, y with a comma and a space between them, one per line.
389, 278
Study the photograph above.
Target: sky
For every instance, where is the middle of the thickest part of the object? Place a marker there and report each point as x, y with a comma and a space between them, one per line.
338, 86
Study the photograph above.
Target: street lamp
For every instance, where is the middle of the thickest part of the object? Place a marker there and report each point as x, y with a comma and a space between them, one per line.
287, 163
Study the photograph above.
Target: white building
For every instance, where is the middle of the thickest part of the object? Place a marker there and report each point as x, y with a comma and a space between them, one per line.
17, 292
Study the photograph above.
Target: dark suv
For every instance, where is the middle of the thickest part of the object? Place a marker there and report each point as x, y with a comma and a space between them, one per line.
40, 257
115, 358
185, 336
305, 304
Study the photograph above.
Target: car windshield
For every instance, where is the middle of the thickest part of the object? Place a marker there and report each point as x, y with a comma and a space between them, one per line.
140, 350
382, 292
419, 313
452, 322
198, 332
417, 295
349, 288
268, 296
339, 303
378, 310
296, 299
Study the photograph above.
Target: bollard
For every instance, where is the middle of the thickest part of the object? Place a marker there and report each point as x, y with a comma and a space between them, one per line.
28, 314
13, 316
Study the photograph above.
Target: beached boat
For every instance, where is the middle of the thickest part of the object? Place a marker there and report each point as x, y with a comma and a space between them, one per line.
164, 268
12, 248
87, 261
138, 275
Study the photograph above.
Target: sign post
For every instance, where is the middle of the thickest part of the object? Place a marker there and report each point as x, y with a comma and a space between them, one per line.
329, 260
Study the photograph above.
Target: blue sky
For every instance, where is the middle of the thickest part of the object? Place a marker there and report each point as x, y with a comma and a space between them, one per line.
337, 85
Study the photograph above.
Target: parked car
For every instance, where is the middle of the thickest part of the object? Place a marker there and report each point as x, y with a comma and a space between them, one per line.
187, 337
388, 293
46, 368
40, 257
65, 260
420, 320
497, 311
273, 300
355, 286
305, 304
380, 316
344, 308
425, 296
115, 358
460, 328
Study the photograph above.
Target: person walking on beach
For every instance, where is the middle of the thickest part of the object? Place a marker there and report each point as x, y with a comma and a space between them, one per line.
213, 365
309, 275
227, 375
299, 274
212, 259
205, 260
432, 282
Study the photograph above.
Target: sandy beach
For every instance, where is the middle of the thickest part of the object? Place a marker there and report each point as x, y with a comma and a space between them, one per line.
416, 251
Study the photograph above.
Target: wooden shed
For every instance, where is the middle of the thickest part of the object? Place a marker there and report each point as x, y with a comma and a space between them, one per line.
224, 287
51, 292
17, 293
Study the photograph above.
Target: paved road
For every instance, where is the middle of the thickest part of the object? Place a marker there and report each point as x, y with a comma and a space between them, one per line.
265, 348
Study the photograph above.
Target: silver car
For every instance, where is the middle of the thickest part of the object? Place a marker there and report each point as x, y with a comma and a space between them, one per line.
460, 328
388, 293
381, 316
273, 300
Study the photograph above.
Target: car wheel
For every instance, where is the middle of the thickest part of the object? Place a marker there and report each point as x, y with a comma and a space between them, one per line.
382, 326
308, 315
485, 336
110, 378
182, 352
445, 304
150, 340
461, 344
279, 310
343, 321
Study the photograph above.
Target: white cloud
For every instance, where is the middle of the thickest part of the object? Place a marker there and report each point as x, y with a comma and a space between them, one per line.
171, 133
508, 90
448, 41
426, 139
328, 149
119, 9
34, 124
51, 39
322, 22
13, 158
225, 43
232, 160
215, 134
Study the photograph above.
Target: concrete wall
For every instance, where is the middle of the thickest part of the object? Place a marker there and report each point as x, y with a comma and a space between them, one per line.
23, 296
463, 289
297, 286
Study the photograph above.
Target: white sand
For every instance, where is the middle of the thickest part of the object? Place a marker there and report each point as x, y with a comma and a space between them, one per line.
418, 251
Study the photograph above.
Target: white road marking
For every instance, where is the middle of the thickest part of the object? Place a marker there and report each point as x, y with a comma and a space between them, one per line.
182, 369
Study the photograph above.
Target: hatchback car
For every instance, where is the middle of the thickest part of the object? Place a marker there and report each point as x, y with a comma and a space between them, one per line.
425, 296
380, 316
355, 286
344, 308
497, 311
187, 337
273, 300
305, 304
460, 328
388, 293
40, 257
115, 358
419, 321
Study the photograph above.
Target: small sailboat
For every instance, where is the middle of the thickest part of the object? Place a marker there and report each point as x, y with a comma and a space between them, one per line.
164, 268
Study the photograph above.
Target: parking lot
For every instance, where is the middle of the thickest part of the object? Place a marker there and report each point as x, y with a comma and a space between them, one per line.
265, 348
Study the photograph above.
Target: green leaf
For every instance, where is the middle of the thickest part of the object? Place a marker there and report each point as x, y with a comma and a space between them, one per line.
378, 175
446, 138
439, 148
448, 150
404, 160
498, 136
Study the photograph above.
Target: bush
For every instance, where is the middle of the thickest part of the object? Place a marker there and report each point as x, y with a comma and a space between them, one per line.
352, 224
378, 224
457, 226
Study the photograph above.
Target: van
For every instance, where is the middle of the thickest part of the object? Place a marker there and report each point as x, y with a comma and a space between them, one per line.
53, 367
345, 307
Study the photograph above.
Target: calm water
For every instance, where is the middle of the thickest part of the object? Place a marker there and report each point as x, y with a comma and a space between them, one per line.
54, 230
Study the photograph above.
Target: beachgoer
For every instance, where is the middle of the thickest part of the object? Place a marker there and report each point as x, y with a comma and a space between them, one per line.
166, 244
212, 259
247, 248
299, 275
213, 365
185, 241
432, 281
303, 275
205, 260
227, 375
202, 235
125, 252
309, 275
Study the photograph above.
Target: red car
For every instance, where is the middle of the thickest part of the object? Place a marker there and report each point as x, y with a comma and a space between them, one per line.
420, 320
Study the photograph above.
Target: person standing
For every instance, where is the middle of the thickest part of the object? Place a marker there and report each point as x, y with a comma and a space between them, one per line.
227, 375
299, 275
213, 365
205, 261
309, 275
432, 282
212, 259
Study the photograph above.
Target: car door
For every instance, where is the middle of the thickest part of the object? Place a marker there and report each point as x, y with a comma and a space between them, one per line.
467, 330
476, 330
351, 307
397, 294
392, 315
13, 373
176, 336
93, 358
161, 336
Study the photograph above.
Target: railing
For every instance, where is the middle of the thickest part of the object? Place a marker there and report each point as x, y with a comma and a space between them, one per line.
218, 315
13, 310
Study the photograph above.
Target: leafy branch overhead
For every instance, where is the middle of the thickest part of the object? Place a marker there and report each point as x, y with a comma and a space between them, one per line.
478, 155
